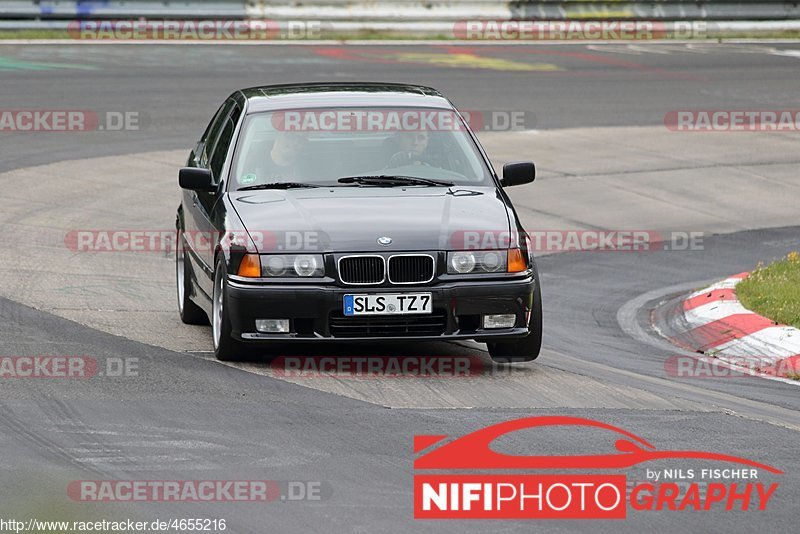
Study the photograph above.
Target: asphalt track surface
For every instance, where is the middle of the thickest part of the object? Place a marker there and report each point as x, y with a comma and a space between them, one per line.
187, 417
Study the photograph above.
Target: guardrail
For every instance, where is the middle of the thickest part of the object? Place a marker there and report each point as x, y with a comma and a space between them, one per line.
405, 10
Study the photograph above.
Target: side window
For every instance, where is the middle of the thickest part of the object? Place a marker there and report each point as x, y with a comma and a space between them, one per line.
221, 150
216, 117
235, 114
212, 131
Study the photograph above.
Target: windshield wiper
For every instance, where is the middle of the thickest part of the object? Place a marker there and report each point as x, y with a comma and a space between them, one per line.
277, 185
385, 179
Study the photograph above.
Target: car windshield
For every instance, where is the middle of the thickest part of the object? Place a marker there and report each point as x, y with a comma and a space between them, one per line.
368, 146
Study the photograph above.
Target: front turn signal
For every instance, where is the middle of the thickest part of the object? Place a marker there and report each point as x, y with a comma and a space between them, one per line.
516, 261
250, 266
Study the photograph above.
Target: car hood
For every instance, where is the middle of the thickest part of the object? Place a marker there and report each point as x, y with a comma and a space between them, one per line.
351, 219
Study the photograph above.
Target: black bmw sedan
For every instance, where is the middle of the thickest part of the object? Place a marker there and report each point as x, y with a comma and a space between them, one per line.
352, 212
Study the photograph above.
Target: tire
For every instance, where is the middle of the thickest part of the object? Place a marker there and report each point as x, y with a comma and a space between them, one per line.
524, 349
190, 312
226, 348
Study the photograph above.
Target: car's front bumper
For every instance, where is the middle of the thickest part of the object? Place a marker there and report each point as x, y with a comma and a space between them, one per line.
315, 311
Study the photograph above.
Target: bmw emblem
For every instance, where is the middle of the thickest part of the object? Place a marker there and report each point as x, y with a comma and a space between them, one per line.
385, 241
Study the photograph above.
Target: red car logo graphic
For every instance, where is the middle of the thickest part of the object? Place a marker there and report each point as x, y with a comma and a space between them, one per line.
473, 451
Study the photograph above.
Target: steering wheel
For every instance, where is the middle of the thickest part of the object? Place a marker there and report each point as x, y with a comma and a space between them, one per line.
402, 159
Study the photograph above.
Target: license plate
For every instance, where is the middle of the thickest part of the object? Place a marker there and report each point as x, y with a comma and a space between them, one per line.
388, 304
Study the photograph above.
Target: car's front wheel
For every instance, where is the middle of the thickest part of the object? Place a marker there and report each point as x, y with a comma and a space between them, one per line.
190, 312
226, 348
525, 349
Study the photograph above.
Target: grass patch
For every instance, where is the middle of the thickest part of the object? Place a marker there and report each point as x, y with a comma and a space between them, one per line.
774, 291
33, 34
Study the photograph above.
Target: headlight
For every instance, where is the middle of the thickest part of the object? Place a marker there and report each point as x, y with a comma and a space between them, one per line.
479, 261
306, 265
461, 262
275, 266
293, 266
491, 261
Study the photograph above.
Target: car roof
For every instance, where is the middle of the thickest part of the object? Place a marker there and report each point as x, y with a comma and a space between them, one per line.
342, 94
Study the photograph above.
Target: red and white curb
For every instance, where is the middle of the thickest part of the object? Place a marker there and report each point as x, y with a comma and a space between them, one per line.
713, 322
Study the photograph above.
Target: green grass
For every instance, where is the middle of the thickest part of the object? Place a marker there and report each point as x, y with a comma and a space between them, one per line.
774, 291
33, 34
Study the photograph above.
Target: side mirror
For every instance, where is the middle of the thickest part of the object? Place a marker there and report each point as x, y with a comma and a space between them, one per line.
196, 179
518, 173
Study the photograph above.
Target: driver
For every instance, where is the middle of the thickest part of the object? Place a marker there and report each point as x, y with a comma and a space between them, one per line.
413, 147
282, 164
